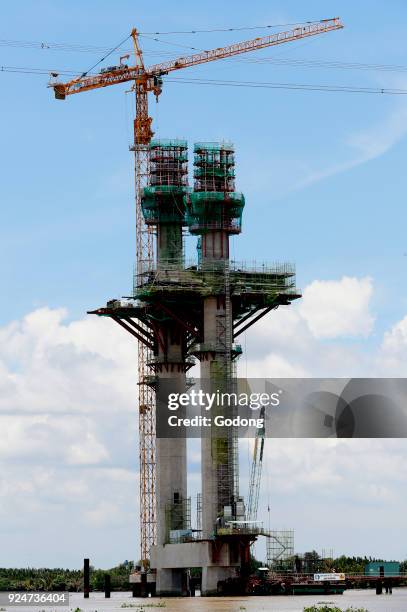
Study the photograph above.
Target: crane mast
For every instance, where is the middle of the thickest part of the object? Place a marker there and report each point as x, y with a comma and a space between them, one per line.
147, 426
146, 80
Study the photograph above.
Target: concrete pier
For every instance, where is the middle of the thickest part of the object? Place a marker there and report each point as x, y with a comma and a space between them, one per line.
185, 312
163, 206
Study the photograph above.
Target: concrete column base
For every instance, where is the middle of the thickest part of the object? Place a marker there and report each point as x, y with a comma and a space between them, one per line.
171, 561
170, 583
211, 575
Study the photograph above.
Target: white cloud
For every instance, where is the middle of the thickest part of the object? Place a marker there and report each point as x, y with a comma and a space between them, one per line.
395, 340
49, 366
334, 493
392, 358
377, 140
87, 451
363, 146
68, 423
353, 485
338, 308
68, 436
342, 153
311, 337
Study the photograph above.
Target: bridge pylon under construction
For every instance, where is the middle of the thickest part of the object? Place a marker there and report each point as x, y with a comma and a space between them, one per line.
189, 313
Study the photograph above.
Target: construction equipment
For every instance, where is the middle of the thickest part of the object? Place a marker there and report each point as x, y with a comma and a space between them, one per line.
147, 80
279, 543
255, 473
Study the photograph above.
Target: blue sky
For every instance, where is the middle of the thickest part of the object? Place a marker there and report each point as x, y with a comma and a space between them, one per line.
68, 223
324, 179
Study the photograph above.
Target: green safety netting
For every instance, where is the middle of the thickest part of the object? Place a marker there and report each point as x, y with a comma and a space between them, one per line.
168, 142
233, 198
214, 146
209, 210
164, 190
163, 203
213, 171
158, 158
215, 157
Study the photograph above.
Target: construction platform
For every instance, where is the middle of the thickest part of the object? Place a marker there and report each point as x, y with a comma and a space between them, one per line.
254, 291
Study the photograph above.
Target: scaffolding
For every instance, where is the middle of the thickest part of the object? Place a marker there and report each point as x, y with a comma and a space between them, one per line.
214, 166
280, 550
214, 203
327, 554
208, 279
199, 512
169, 162
178, 519
163, 198
209, 211
178, 295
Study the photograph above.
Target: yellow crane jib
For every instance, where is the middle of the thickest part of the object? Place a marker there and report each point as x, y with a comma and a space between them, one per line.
147, 77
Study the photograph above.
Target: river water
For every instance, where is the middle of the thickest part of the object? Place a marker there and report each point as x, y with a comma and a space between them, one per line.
124, 601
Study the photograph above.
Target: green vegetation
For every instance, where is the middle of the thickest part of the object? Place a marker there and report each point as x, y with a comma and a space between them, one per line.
328, 608
160, 604
312, 563
30, 579
59, 579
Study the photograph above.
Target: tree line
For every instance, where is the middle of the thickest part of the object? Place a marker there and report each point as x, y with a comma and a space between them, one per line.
60, 579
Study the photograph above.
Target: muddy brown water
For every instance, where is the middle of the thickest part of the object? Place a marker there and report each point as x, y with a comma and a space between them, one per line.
124, 601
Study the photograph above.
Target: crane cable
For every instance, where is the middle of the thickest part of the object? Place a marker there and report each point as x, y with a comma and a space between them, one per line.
82, 48
247, 84
106, 56
283, 61
238, 29
292, 86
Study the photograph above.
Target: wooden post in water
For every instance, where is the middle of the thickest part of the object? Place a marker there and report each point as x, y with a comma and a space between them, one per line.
107, 586
86, 578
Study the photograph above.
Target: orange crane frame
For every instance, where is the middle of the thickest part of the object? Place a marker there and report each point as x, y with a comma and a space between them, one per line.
147, 80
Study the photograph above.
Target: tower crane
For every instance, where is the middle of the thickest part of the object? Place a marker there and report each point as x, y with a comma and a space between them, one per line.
146, 80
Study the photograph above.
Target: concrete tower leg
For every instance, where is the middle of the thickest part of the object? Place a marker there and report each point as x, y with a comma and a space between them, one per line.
171, 454
213, 217
213, 367
171, 490
214, 495
164, 207
170, 582
212, 575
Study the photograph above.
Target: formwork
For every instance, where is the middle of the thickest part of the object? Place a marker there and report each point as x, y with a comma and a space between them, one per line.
214, 166
214, 204
163, 198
